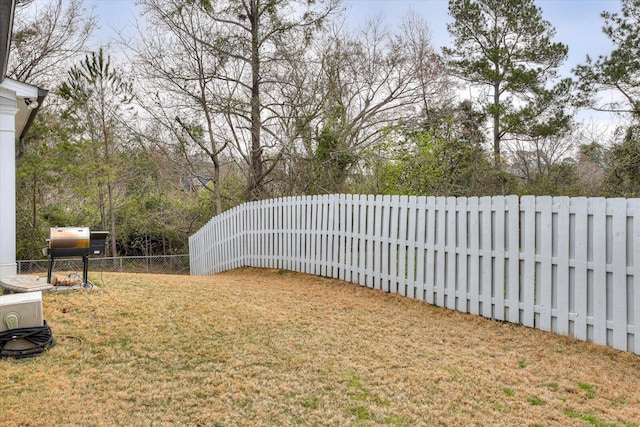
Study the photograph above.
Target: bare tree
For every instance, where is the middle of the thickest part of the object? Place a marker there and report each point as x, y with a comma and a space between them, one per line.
47, 37
243, 46
369, 82
537, 156
181, 91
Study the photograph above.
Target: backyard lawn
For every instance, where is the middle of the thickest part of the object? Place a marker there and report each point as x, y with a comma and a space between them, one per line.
255, 347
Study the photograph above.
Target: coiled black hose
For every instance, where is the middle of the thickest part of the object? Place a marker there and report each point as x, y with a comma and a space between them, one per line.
40, 337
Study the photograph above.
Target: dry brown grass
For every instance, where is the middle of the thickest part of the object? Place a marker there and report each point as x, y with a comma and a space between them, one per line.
263, 347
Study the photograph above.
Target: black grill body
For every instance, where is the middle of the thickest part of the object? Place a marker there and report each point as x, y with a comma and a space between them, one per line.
67, 242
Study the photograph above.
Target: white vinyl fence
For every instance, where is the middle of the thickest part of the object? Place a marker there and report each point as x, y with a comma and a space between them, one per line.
567, 265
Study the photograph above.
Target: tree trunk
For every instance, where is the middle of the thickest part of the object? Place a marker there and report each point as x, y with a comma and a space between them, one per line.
34, 217
112, 214
496, 124
254, 191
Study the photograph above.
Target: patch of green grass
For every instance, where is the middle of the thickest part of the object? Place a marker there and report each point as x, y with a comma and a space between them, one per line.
358, 393
618, 402
311, 403
535, 401
396, 420
588, 417
361, 413
453, 370
522, 364
509, 392
591, 392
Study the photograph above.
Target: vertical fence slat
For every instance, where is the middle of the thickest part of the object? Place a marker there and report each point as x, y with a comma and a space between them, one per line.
528, 231
335, 236
430, 246
380, 237
361, 233
580, 293
288, 235
343, 230
371, 243
322, 242
462, 245
599, 263
498, 279
392, 256
450, 254
513, 264
402, 246
634, 261
421, 247
562, 267
486, 257
618, 208
350, 263
412, 242
440, 248
543, 273
359, 242
473, 271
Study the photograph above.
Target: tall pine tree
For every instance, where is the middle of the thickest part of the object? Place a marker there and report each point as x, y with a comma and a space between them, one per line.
504, 48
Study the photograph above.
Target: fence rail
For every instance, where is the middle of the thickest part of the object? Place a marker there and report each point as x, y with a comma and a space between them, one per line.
560, 264
161, 264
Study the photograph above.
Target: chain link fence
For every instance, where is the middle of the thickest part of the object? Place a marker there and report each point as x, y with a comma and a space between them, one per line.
161, 264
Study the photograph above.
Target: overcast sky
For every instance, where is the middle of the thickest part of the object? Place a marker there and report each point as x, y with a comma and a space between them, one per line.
578, 22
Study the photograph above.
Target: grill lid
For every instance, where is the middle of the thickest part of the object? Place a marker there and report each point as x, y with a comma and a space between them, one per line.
69, 241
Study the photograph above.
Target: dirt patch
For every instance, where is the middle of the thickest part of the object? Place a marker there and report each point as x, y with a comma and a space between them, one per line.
266, 347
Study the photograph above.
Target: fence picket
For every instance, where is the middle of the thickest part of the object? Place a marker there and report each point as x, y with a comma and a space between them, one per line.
440, 250
411, 244
561, 278
486, 257
473, 270
362, 239
581, 271
430, 247
633, 258
385, 244
498, 279
544, 280
513, 264
401, 247
450, 250
599, 269
528, 272
461, 253
371, 241
618, 208
421, 247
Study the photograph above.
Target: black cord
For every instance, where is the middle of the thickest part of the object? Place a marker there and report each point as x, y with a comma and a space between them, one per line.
39, 336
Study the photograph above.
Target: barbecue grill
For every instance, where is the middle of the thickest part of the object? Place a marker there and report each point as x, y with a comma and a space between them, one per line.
65, 242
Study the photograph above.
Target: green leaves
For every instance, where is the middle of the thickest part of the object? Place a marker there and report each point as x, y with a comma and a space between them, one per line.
620, 71
506, 46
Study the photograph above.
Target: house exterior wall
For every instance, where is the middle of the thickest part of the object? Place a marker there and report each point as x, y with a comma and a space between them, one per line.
8, 111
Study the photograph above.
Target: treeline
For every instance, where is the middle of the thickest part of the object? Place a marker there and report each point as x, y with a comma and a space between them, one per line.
211, 104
